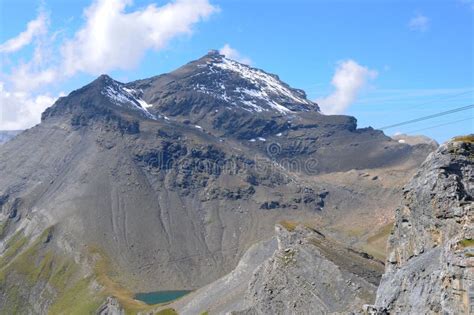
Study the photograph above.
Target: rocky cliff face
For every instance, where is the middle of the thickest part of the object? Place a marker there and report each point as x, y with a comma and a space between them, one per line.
430, 264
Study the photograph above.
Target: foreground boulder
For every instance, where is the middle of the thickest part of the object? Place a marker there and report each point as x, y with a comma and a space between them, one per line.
431, 250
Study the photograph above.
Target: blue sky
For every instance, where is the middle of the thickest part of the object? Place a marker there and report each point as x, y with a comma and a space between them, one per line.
392, 60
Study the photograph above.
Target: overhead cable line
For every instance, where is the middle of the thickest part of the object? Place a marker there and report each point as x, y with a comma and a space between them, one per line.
454, 110
440, 125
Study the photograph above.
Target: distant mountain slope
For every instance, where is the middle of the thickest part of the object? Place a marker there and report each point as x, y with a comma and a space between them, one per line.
170, 182
6, 135
416, 140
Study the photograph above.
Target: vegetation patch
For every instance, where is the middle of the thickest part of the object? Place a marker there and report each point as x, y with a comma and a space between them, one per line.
13, 247
39, 269
376, 244
3, 228
167, 311
15, 303
76, 300
32, 263
103, 272
468, 138
468, 242
289, 225
382, 234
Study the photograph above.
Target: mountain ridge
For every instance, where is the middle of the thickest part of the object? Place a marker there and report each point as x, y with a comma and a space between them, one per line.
173, 98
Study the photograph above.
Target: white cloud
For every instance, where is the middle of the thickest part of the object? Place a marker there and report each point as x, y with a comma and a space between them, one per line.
34, 28
20, 110
348, 79
110, 39
419, 23
28, 77
20, 107
113, 39
233, 54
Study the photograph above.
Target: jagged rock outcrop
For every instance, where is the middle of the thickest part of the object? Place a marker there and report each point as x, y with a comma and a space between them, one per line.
430, 252
310, 274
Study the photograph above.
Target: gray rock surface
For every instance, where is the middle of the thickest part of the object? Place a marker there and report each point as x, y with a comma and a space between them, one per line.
111, 306
430, 252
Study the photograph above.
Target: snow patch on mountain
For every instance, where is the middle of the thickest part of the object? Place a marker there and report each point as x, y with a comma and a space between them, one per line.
262, 95
121, 96
261, 92
264, 81
117, 96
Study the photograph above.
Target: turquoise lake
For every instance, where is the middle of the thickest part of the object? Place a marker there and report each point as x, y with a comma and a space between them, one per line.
160, 296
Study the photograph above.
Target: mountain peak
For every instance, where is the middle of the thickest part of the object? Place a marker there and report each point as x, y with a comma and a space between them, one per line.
242, 86
211, 84
214, 52
104, 79
264, 91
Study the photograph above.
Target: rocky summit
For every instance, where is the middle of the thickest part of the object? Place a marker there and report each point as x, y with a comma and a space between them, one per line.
165, 183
